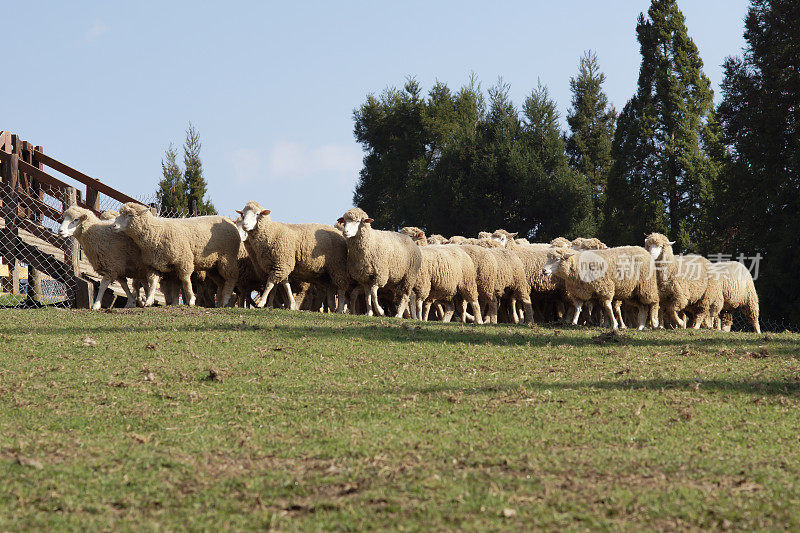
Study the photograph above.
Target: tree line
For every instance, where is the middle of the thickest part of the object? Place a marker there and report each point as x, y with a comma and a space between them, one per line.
717, 179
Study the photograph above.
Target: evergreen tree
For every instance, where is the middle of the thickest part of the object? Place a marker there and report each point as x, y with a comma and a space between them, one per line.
591, 121
659, 180
194, 181
171, 192
759, 197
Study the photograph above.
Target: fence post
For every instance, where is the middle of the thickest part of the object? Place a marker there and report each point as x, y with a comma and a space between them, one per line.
34, 276
12, 178
84, 291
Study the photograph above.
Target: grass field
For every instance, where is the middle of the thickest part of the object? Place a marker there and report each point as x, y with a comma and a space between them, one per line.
205, 419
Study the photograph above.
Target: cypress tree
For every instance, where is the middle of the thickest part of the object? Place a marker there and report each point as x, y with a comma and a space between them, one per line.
759, 114
171, 191
659, 180
591, 121
194, 181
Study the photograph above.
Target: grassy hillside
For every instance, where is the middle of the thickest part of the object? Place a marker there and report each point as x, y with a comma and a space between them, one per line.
174, 418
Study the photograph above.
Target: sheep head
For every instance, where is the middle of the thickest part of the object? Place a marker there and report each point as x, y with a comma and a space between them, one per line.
73, 217
592, 243
560, 261
251, 214
658, 244
109, 214
353, 220
560, 242
127, 213
501, 236
416, 234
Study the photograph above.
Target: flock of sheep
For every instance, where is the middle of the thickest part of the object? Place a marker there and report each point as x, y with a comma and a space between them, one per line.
352, 267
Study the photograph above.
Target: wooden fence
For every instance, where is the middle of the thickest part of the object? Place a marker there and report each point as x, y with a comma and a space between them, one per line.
31, 203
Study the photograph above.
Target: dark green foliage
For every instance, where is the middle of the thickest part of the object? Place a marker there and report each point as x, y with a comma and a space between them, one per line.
591, 121
455, 163
760, 122
178, 189
661, 175
193, 174
171, 192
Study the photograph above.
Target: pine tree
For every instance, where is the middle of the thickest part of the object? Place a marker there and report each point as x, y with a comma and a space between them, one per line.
759, 194
659, 179
171, 192
194, 181
591, 120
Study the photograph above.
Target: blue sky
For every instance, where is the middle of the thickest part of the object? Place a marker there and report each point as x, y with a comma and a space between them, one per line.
271, 87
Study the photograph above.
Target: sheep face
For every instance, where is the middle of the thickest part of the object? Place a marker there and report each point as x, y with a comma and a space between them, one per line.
127, 213
250, 215
352, 221
559, 262
71, 222
656, 243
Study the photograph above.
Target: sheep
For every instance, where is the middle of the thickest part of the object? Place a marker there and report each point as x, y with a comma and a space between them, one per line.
522, 241
109, 214
561, 242
684, 282
738, 291
486, 277
445, 272
416, 234
533, 258
437, 239
182, 246
307, 252
485, 235
624, 273
377, 259
114, 256
582, 243
511, 279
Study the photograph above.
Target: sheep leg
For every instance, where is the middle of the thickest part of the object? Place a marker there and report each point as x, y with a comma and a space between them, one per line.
403, 305
618, 311
578, 307
227, 291
188, 292
449, 309
492, 310
376, 306
262, 300
426, 309
476, 310
513, 308
610, 314
673, 315
131, 300
152, 282
288, 288
342, 304
98, 301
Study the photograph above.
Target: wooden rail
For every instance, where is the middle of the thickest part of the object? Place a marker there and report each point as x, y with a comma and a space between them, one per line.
23, 184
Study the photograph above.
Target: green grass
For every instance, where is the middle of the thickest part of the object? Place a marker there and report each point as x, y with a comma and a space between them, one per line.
207, 419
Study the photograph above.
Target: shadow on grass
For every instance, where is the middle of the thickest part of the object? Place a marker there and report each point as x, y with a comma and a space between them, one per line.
756, 387
380, 330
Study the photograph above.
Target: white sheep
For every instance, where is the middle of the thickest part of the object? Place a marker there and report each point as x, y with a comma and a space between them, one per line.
684, 282
183, 246
624, 273
738, 291
377, 259
306, 252
113, 255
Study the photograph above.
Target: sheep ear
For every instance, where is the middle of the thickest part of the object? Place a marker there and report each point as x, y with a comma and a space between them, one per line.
341, 220
671, 242
242, 214
512, 235
265, 212
446, 242
368, 221
420, 235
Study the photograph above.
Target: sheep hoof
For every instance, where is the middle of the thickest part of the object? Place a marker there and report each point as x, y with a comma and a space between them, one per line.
141, 302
